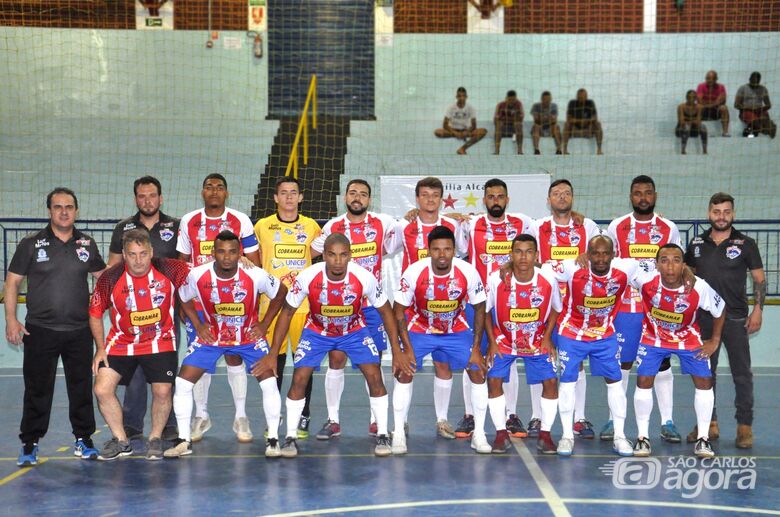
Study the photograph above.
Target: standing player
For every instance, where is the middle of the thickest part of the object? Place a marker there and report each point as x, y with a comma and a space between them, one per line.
141, 294
670, 328
431, 300
638, 236
197, 232
229, 296
285, 249
371, 236
336, 290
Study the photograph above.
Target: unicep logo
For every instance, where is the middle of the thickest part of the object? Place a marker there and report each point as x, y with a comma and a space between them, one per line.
688, 475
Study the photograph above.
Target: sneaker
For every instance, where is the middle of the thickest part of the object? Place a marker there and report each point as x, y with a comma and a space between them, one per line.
154, 449
133, 433
502, 443
607, 432
180, 448
272, 448
85, 449
465, 427
290, 448
170, 433
622, 447
383, 446
544, 444
703, 449
199, 427
443, 429
372, 429
534, 426
565, 447
329, 430
242, 430
28, 456
303, 427
515, 427
114, 449
642, 447
669, 432
584, 429
399, 444
480, 444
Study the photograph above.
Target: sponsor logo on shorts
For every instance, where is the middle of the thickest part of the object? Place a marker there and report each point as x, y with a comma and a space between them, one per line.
206, 247
289, 251
229, 309
141, 318
421, 254
498, 248
367, 249
335, 311
442, 305
642, 250
524, 315
564, 252
599, 303
667, 316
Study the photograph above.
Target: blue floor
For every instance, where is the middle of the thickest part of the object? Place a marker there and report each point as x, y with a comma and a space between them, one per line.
437, 477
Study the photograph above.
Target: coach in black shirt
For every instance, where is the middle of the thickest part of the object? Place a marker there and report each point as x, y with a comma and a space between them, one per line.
56, 261
722, 256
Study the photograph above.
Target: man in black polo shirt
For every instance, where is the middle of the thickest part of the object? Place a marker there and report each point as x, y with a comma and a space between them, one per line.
582, 121
163, 230
55, 261
722, 256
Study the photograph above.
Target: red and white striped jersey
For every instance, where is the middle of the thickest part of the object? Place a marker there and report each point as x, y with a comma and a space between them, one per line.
563, 242
436, 304
142, 308
414, 237
335, 306
520, 311
230, 305
197, 232
670, 314
640, 240
490, 244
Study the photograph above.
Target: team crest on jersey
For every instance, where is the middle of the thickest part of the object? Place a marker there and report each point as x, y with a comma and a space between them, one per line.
404, 287
574, 237
511, 232
536, 299
733, 252
612, 287
42, 256
453, 290
166, 234
239, 294
349, 298
301, 237
158, 299
681, 305
370, 234
82, 254
655, 235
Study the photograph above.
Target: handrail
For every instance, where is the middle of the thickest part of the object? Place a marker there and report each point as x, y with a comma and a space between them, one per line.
303, 128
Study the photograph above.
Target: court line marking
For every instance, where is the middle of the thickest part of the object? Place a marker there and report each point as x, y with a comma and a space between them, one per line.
21, 472
542, 483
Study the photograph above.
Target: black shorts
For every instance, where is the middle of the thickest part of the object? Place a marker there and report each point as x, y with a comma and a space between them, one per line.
160, 367
712, 113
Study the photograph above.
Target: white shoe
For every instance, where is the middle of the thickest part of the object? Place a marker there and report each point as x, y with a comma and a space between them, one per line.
399, 444
241, 428
272, 448
480, 444
199, 427
566, 447
623, 447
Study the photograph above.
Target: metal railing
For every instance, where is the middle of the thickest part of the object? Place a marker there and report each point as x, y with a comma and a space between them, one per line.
303, 129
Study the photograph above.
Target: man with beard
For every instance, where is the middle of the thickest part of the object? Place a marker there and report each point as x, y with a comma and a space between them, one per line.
371, 236
722, 256
162, 230
638, 236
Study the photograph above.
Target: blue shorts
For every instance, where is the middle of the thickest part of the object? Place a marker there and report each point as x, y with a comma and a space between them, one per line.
206, 356
628, 329
604, 357
483, 346
649, 360
376, 327
312, 348
189, 328
538, 368
454, 349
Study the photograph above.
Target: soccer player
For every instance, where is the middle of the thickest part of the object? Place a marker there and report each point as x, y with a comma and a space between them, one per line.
638, 236
431, 300
335, 290
229, 296
197, 232
141, 295
285, 249
371, 236
522, 312
670, 328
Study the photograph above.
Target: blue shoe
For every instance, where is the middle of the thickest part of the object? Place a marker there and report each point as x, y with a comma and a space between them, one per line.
607, 433
669, 432
85, 449
28, 457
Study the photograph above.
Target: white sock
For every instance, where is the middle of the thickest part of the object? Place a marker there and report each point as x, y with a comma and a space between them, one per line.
624, 379
237, 379
511, 390
549, 409
617, 406
580, 394
334, 387
497, 407
468, 408
201, 395
182, 407
402, 399
294, 411
479, 397
566, 408
536, 400
272, 406
664, 391
379, 409
442, 389
643, 406
703, 402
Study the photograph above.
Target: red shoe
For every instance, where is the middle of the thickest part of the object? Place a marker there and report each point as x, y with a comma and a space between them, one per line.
544, 443
502, 443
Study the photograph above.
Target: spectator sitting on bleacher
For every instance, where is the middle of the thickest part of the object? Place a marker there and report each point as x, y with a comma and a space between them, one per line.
582, 121
508, 119
689, 122
545, 116
460, 122
753, 104
712, 99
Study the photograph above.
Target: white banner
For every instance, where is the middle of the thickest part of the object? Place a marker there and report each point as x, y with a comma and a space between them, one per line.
154, 15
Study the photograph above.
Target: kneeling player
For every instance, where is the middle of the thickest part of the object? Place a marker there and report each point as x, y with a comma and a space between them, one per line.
670, 328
